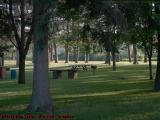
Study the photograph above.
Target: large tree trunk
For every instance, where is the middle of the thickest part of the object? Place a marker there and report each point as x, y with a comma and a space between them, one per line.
129, 54
55, 53
114, 60
108, 58
157, 79
17, 58
66, 53
41, 100
21, 77
135, 61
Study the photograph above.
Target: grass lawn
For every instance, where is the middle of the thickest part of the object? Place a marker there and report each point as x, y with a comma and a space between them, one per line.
126, 94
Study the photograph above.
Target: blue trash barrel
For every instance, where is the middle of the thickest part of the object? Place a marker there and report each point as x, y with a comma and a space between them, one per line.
13, 74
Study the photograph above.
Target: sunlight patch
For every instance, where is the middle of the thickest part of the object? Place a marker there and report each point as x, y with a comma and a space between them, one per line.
99, 94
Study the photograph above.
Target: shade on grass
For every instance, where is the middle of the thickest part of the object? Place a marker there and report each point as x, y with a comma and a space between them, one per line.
126, 94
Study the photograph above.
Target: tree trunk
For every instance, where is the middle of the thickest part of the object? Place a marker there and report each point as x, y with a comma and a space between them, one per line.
150, 68
50, 52
86, 57
49, 55
108, 58
0, 61
22, 44
135, 61
114, 61
55, 52
129, 54
3, 60
157, 79
74, 54
145, 57
41, 99
118, 57
67, 43
17, 58
21, 77
77, 54
66, 53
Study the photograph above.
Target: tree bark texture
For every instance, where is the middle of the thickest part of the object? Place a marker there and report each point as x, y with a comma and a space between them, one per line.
2, 60
76, 54
55, 53
129, 54
145, 57
50, 53
157, 79
150, 68
135, 61
114, 60
41, 100
21, 77
66, 53
86, 57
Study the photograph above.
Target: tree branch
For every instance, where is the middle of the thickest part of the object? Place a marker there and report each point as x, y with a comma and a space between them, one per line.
29, 39
12, 42
13, 23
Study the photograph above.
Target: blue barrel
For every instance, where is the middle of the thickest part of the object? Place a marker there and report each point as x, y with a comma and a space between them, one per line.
13, 74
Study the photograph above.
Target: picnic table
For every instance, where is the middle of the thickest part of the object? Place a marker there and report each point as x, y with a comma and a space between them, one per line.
72, 70
57, 73
84, 67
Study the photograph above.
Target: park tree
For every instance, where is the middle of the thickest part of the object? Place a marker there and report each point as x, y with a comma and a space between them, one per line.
5, 32
54, 30
131, 12
148, 31
157, 20
76, 40
103, 37
22, 40
112, 21
68, 13
41, 100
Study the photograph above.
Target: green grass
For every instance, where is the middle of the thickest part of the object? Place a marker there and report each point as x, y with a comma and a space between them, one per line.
126, 94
